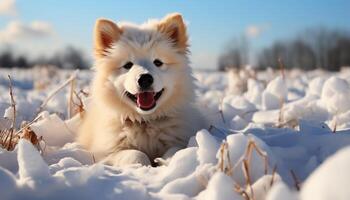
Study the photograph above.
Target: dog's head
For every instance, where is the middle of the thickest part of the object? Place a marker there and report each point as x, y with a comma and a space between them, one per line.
143, 70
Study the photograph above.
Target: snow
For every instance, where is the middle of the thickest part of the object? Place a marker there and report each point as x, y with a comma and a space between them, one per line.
335, 95
7, 183
53, 129
9, 113
281, 191
237, 144
329, 179
274, 94
300, 122
207, 147
219, 187
31, 166
263, 185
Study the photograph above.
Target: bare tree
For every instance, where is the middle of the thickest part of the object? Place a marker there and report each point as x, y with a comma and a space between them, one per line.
321, 40
236, 55
269, 56
6, 59
314, 48
68, 58
302, 55
339, 55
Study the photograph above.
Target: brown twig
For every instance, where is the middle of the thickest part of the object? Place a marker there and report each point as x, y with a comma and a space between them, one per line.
221, 112
212, 127
80, 105
281, 113
246, 161
296, 180
13, 123
224, 153
282, 68
221, 161
70, 101
30, 135
230, 167
86, 94
251, 146
13, 103
222, 116
335, 125
93, 158
241, 191
274, 171
29, 123
246, 173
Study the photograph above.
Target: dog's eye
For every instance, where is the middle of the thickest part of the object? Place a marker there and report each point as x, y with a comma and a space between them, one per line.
128, 65
157, 62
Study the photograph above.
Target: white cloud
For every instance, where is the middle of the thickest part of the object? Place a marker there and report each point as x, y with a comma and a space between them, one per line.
16, 30
8, 7
29, 37
254, 31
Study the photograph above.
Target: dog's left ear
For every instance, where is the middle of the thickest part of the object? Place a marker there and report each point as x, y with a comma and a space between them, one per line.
174, 27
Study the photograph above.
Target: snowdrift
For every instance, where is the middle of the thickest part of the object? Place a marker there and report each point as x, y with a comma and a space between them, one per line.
272, 137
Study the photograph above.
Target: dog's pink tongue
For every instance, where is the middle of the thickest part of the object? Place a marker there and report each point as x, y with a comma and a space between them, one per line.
145, 99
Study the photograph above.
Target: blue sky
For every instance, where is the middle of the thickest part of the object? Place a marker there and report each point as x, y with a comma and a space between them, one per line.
49, 25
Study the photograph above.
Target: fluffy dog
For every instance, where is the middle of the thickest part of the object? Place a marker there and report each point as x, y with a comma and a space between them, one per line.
143, 102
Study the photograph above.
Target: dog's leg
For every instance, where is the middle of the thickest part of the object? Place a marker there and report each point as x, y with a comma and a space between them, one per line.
127, 157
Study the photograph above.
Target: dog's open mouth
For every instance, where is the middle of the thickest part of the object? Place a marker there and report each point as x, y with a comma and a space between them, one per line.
145, 100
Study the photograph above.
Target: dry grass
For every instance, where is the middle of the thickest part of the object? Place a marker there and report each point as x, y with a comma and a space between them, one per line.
225, 155
9, 137
281, 121
8, 140
30, 135
281, 114
334, 121
75, 102
70, 100
274, 171
221, 112
79, 106
225, 166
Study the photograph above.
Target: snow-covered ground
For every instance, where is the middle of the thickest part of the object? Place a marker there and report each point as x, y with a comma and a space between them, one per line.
272, 137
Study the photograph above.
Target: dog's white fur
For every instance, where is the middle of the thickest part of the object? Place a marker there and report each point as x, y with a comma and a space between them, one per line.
115, 129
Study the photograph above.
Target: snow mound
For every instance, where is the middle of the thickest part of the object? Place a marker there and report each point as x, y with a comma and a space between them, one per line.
329, 178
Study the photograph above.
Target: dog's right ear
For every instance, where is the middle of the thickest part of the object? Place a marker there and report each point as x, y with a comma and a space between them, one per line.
174, 28
106, 33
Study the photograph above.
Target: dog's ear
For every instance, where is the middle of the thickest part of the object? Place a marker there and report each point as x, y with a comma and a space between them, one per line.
106, 33
174, 27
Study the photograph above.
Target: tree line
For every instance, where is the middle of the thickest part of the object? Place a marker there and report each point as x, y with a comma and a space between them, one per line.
314, 48
68, 58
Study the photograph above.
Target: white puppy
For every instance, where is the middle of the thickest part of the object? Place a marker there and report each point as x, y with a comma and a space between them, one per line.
142, 94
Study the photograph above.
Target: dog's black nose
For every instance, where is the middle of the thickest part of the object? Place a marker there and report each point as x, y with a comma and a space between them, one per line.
145, 81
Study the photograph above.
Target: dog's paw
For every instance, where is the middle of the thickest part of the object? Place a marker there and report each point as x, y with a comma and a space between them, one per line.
165, 159
128, 157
